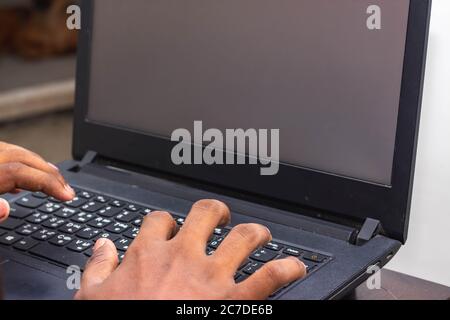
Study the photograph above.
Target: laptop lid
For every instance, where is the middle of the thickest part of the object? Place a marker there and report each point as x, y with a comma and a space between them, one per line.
331, 89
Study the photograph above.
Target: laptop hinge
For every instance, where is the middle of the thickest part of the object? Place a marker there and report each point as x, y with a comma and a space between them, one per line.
88, 158
369, 229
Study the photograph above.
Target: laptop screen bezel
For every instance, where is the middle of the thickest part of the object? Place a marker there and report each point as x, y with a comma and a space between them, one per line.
339, 196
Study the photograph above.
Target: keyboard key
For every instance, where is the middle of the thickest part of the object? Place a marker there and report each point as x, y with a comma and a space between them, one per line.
264, 255
180, 221
30, 202
66, 213
38, 218
132, 233
86, 195
92, 206
61, 240
210, 251
244, 264
118, 227
54, 200
216, 242
76, 202
54, 223
40, 195
109, 212
83, 217
146, 211
274, 246
2, 232
25, 244
28, 229
79, 245
88, 233
137, 222
292, 251
11, 224
107, 235
127, 216
19, 212
44, 235
117, 203
9, 239
220, 232
132, 207
71, 228
50, 207
252, 268
59, 255
240, 277
123, 244
314, 257
101, 199
100, 222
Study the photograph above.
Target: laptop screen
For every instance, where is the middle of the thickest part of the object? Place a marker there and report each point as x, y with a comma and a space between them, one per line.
326, 73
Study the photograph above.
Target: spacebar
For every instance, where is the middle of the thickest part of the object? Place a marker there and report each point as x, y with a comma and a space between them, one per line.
60, 255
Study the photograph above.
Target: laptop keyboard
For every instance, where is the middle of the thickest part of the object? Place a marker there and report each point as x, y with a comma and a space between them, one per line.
64, 233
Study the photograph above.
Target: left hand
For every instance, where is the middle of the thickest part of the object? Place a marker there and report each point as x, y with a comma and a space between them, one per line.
23, 169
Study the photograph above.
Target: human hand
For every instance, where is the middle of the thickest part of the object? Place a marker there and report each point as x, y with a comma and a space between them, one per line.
23, 169
164, 264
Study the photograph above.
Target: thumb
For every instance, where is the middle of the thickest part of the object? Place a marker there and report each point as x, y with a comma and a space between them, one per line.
102, 263
4, 210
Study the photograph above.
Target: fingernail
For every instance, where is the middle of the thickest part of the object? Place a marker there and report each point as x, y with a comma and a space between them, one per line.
53, 166
100, 243
270, 232
4, 208
69, 189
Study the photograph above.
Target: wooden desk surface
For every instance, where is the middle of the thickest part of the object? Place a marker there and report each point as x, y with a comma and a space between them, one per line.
397, 286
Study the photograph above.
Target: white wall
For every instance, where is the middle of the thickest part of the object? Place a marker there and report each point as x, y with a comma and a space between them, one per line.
427, 252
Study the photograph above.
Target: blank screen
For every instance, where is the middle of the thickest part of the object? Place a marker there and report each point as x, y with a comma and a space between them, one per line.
311, 68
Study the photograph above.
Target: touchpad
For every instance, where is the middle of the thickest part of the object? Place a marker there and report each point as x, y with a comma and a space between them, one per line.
21, 282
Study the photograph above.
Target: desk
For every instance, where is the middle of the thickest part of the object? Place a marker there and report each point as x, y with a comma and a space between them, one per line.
397, 286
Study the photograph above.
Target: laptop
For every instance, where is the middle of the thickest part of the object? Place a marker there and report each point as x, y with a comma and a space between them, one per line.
327, 95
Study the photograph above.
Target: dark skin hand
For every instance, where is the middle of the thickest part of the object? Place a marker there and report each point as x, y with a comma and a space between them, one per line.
164, 264
23, 169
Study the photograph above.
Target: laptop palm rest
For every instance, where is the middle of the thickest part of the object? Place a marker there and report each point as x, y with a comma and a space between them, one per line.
21, 282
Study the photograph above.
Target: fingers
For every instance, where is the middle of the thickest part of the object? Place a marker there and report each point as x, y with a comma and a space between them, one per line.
270, 278
13, 153
102, 263
240, 243
157, 226
4, 210
204, 217
18, 175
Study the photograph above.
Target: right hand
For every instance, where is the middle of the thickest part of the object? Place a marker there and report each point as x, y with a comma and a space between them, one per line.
164, 264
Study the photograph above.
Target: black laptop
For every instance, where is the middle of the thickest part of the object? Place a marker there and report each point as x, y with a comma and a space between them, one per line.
339, 81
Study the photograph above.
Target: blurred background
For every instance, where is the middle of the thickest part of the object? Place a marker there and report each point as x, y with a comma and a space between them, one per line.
37, 68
